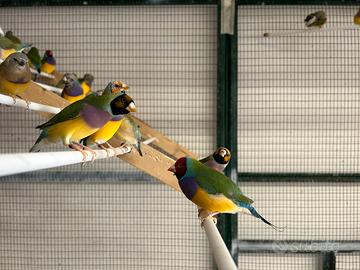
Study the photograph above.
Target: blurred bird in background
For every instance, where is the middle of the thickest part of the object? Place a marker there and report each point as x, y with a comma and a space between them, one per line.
86, 83
357, 17
218, 160
315, 20
48, 63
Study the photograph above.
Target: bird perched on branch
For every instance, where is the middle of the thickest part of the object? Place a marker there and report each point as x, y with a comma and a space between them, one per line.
72, 90
86, 83
15, 75
211, 190
357, 17
316, 19
48, 63
120, 106
218, 160
8, 47
79, 120
129, 133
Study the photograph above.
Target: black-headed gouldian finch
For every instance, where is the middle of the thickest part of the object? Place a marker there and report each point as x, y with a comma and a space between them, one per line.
48, 63
15, 74
72, 90
120, 106
86, 83
129, 133
211, 190
357, 17
315, 20
79, 120
218, 160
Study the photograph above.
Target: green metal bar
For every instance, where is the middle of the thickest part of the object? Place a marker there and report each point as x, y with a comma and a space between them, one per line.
329, 261
297, 177
227, 116
8, 3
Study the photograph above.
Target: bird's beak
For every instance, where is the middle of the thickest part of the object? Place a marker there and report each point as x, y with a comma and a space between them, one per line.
222, 153
132, 107
172, 169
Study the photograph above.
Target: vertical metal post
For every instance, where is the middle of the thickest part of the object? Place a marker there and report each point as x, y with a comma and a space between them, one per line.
227, 115
329, 260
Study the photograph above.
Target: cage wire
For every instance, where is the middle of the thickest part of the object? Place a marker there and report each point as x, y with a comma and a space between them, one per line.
298, 112
107, 215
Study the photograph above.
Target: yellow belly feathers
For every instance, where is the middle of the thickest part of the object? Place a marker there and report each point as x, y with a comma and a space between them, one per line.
106, 132
214, 203
70, 131
48, 68
12, 88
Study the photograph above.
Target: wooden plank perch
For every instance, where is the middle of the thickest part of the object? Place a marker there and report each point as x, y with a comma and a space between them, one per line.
154, 162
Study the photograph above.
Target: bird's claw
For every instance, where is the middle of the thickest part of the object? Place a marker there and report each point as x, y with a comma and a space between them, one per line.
204, 214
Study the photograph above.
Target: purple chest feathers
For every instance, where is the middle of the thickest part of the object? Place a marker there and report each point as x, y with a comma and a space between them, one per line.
188, 187
94, 117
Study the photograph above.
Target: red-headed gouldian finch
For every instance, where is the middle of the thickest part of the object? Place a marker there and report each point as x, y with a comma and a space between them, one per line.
218, 160
15, 74
72, 90
86, 82
120, 106
79, 120
316, 19
48, 63
211, 190
129, 133
357, 18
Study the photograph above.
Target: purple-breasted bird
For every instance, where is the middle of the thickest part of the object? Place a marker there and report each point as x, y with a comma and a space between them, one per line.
211, 190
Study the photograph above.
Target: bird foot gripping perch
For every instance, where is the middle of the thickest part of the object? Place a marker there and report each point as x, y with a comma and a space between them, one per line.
204, 214
82, 149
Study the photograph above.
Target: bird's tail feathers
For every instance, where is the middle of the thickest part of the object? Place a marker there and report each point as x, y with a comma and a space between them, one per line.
138, 147
257, 215
39, 142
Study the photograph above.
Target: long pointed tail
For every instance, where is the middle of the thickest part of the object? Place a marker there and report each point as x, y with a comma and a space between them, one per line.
257, 215
39, 142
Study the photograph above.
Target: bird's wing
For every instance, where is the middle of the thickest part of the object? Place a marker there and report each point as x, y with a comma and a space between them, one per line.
70, 112
6, 43
221, 185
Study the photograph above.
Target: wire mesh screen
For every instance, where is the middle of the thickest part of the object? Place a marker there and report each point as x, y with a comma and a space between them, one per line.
298, 95
349, 261
107, 215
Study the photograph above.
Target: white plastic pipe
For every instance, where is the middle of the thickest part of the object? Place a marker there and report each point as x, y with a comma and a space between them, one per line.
42, 74
17, 102
27, 162
49, 88
221, 254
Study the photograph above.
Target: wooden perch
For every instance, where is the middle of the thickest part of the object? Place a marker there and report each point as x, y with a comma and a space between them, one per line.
154, 162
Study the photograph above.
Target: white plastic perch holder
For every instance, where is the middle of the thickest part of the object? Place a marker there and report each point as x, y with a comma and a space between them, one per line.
27, 162
221, 254
49, 88
17, 102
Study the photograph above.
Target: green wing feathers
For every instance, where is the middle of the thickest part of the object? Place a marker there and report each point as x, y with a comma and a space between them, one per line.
215, 182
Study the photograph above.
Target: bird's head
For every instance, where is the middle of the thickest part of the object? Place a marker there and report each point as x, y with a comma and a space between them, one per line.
222, 155
49, 53
122, 105
115, 87
88, 79
18, 60
179, 168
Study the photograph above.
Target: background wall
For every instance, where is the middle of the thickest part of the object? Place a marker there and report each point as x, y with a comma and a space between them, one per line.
107, 215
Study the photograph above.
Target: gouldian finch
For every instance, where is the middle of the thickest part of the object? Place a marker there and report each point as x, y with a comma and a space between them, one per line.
129, 132
211, 190
72, 91
357, 18
120, 106
218, 160
8, 47
48, 63
86, 82
80, 119
14, 39
15, 75
316, 19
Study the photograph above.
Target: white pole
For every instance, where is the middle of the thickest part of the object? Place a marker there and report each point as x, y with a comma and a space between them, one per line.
49, 88
221, 254
17, 102
27, 162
